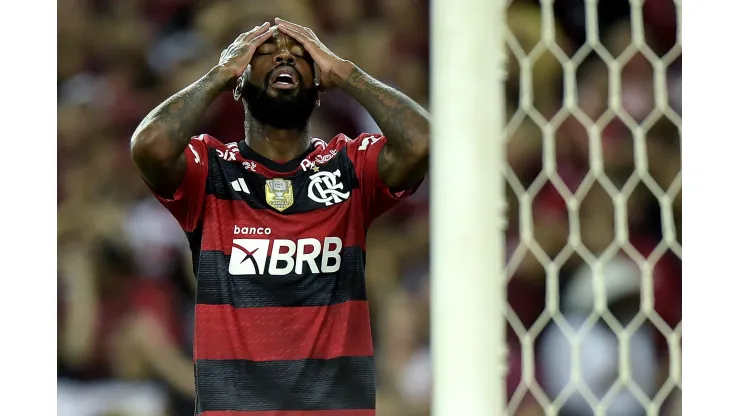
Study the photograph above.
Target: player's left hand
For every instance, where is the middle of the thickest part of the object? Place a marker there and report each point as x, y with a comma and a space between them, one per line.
332, 69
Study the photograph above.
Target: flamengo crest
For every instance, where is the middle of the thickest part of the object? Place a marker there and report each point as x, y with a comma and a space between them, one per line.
325, 188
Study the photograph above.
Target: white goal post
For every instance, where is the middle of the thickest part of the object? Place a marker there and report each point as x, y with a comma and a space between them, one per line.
472, 257
468, 207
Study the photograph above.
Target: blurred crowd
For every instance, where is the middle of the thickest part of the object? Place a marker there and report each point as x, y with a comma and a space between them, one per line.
594, 173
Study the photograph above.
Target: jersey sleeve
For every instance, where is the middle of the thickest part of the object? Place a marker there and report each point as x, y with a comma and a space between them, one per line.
186, 205
377, 197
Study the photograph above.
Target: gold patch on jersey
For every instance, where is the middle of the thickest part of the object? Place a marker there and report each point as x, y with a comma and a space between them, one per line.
279, 193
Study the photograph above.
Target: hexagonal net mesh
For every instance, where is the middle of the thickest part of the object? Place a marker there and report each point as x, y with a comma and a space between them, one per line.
594, 189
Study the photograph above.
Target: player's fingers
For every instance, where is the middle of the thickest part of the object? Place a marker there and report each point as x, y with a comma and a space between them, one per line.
244, 35
302, 38
257, 31
248, 49
252, 42
260, 39
287, 22
294, 26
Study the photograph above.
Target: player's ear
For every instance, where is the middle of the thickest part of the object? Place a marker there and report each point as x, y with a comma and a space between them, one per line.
317, 78
317, 84
239, 89
240, 83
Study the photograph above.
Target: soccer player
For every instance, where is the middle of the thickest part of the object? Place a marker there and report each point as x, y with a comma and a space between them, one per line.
277, 223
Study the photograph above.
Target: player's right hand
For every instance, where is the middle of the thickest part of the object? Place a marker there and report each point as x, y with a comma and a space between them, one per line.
236, 57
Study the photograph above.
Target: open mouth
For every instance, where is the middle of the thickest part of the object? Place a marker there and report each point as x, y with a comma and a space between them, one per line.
284, 78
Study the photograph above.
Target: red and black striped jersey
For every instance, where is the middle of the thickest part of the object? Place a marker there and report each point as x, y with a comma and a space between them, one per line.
282, 321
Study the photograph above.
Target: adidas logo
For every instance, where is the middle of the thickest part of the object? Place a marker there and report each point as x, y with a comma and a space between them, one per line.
240, 185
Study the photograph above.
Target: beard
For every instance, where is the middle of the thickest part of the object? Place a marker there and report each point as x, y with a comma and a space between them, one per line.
287, 110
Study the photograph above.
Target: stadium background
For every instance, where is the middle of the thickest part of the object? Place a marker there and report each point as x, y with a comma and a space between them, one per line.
125, 303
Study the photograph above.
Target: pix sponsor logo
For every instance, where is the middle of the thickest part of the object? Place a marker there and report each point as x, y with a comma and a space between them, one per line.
227, 155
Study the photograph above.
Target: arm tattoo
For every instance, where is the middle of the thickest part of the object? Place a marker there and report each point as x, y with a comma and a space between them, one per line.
404, 123
158, 143
178, 116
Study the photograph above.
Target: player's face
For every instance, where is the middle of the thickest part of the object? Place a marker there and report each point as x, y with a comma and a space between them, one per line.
281, 91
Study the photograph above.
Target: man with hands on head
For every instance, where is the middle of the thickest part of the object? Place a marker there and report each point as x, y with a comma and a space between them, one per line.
277, 223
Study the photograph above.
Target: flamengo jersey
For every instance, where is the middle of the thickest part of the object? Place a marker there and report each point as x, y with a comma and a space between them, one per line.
282, 321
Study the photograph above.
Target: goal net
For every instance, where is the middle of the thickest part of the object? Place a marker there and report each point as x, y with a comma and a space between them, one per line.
594, 195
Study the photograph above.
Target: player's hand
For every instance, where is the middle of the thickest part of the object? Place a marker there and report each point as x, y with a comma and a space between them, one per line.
236, 57
332, 69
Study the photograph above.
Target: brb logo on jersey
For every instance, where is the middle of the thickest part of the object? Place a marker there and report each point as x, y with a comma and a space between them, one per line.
325, 188
280, 257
